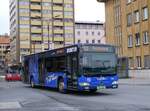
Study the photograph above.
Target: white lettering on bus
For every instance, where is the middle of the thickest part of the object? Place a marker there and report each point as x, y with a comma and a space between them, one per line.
72, 49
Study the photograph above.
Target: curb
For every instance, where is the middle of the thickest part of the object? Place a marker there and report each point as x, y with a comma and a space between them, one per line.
146, 84
135, 83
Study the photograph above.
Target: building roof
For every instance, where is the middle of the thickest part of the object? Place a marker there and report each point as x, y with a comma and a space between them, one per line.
4, 40
89, 23
102, 0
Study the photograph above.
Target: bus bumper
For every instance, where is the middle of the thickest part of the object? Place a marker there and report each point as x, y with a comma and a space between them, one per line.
85, 87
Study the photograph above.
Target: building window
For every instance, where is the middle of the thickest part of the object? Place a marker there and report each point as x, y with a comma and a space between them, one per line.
87, 33
131, 62
137, 16
137, 39
78, 32
79, 41
129, 19
87, 41
93, 41
130, 41
138, 61
129, 1
146, 61
145, 13
99, 41
92, 33
145, 37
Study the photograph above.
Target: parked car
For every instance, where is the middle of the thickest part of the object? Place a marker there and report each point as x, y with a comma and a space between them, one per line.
12, 75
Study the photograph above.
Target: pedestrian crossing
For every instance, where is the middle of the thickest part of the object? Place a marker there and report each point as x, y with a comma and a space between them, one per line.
9, 105
16, 106
3, 85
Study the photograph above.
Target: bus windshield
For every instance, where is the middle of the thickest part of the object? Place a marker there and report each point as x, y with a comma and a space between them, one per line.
98, 63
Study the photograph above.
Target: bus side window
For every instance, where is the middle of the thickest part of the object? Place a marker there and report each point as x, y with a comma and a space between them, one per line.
68, 65
48, 65
74, 62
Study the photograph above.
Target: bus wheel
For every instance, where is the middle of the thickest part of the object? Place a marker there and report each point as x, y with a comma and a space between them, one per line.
32, 83
93, 90
61, 85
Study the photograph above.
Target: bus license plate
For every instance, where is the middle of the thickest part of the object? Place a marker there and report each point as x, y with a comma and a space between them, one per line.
100, 87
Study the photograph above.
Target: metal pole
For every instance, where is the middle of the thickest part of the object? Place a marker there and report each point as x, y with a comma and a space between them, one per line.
48, 37
34, 48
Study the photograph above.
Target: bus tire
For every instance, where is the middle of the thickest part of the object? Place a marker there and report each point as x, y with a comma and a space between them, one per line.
32, 83
93, 90
61, 87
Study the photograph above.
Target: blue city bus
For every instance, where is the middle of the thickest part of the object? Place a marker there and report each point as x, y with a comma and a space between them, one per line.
82, 67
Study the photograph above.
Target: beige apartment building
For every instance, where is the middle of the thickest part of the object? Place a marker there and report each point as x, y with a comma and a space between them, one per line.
38, 25
128, 28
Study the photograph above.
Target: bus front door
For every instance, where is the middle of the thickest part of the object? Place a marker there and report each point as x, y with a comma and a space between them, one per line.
72, 70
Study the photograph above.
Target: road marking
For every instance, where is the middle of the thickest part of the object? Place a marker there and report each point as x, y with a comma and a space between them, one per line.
61, 106
10, 105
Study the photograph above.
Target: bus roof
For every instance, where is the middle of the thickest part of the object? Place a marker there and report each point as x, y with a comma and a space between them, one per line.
75, 45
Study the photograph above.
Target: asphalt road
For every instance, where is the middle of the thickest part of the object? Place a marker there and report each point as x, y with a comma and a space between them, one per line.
16, 96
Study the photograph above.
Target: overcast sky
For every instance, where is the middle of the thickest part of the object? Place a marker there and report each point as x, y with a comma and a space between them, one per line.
85, 10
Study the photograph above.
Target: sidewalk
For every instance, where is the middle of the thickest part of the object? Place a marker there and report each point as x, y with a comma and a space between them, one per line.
134, 81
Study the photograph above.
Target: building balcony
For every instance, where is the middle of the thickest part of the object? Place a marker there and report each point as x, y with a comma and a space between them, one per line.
24, 38
33, 30
36, 38
57, 39
47, 8
46, 39
58, 31
47, 15
68, 23
36, 46
58, 15
35, 14
24, 30
68, 9
102, 0
58, 23
58, 1
69, 39
35, 0
57, 46
46, 1
24, 14
36, 7
34, 22
24, 22
68, 16
45, 31
57, 8
25, 46
68, 1
69, 31
24, 6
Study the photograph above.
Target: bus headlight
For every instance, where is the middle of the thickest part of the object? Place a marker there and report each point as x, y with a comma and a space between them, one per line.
114, 82
84, 84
